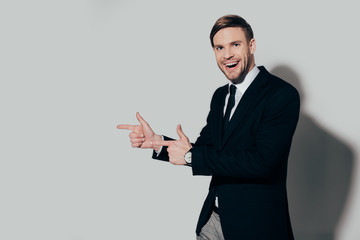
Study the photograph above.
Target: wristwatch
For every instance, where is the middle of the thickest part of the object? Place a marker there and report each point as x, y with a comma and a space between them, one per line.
187, 158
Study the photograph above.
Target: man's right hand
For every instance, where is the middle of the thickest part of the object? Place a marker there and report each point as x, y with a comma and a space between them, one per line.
141, 136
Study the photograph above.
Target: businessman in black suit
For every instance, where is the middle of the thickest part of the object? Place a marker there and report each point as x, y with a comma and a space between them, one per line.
244, 146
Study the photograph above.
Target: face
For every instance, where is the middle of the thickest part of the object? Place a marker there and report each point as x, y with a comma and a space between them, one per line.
234, 54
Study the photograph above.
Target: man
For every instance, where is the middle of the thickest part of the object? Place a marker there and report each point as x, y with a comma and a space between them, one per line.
244, 145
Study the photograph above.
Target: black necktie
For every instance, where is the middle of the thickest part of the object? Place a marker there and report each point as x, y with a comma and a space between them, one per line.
230, 105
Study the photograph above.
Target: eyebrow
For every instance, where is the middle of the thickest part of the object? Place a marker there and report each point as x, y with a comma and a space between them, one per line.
231, 43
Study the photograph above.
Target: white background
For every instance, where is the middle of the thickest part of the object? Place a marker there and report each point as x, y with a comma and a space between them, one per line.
72, 70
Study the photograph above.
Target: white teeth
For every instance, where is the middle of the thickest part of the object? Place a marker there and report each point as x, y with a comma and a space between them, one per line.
231, 64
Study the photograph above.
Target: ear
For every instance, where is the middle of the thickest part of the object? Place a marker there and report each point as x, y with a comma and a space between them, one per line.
252, 46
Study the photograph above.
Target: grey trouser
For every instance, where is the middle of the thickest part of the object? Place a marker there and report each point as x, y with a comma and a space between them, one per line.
212, 229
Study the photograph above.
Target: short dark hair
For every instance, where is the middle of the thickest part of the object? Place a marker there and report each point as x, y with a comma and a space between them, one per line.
231, 21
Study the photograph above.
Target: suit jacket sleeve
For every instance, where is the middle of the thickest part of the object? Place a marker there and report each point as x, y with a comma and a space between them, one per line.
270, 142
163, 154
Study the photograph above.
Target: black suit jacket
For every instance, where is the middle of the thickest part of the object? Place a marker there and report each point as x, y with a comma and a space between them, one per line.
248, 162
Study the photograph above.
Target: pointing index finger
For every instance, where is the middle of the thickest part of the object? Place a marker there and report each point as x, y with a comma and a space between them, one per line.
162, 143
126, 126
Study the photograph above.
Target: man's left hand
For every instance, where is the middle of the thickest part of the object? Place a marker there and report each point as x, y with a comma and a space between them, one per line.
176, 148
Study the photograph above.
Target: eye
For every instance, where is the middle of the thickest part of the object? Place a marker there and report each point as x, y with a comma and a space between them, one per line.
236, 45
219, 48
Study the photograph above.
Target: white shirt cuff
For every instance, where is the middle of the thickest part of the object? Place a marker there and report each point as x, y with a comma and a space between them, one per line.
161, 147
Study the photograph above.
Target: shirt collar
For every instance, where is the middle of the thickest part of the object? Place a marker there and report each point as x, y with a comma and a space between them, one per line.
249, 78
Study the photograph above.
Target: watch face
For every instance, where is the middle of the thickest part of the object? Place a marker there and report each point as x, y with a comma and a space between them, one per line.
188, 157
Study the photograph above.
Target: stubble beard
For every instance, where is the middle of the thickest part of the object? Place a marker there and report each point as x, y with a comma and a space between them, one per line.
240, 78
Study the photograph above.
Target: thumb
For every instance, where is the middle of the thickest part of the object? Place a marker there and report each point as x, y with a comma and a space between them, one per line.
141, 120
180, 132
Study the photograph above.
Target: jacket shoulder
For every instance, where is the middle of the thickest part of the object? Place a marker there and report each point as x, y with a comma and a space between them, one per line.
282, 87
276, 83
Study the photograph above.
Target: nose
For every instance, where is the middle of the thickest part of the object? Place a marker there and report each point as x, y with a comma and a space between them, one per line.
228, 53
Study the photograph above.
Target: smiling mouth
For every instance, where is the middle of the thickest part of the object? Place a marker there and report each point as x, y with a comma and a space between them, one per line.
231, 65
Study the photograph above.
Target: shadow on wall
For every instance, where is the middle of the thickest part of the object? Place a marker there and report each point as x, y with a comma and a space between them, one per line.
319, 174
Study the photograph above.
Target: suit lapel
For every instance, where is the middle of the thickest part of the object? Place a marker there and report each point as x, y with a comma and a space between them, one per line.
220, 115
246, 103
